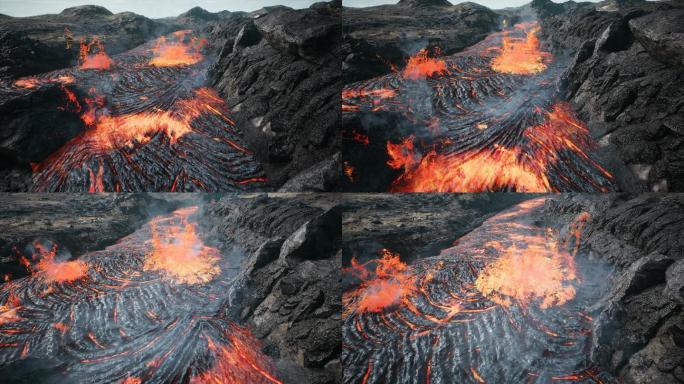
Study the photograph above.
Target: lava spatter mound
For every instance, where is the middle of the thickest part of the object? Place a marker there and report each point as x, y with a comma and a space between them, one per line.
485, 119
132, 317
508, 303
148, 123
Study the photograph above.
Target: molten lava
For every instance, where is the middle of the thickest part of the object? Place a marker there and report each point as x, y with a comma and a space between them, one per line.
52, 271
497, 167
537, 271
181, 51
421, 66
179, 254
92, 55
521, 56
387, 286
241, 361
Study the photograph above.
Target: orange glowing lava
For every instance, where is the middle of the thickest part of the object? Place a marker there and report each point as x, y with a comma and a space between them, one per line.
536, 271
387, 286
380, 93
239, 362
182, 51
494, 168
92, 55
178, 253
420, 66
348, 171
521, 56
107, 133
55, 271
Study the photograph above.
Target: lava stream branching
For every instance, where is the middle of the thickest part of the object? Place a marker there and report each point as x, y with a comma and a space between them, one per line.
507, 303
148, 123
485, 119
144, 310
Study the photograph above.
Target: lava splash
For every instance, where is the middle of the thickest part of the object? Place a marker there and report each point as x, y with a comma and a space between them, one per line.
147, 123
130, 320
485, 119
508, 289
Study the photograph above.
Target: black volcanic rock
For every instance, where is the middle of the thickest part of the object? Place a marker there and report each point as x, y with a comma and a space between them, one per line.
36, 44
287, 290
376, 37
279, 71
625, 82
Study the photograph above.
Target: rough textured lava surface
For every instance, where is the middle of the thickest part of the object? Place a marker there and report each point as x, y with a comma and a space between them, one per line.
188, 288
625, 80
578, 284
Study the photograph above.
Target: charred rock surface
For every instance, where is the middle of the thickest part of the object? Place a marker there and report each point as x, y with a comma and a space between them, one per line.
37, 44
625, 80
288, 288
279, 71
627, 250
377, 37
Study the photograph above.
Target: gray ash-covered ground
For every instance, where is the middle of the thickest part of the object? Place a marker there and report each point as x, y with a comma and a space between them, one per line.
183, 288
218, 126
484, 304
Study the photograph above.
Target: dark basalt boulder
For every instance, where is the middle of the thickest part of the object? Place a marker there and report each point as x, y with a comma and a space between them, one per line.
279, 72
287, 290
624, 82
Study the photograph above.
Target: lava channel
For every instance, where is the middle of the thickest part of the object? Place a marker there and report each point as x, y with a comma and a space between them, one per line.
148, 123
485, 119
507, 304
147, 309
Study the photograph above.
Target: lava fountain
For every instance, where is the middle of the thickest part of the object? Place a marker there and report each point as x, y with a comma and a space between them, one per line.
521, 56
92, 55
179, 50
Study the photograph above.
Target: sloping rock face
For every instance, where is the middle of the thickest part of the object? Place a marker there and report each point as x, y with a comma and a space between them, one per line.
625, 80
279, 71
37, 44
638, 331
288, 289
375, 38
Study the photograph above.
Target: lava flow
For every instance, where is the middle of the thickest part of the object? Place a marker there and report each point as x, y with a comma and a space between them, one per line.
485, 119
147, 123
179, 51
387, 286
92, 55
146, 309
507, 303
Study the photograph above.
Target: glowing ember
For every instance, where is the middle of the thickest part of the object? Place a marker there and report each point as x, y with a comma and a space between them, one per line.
521, 56
497, 167
420, 66
178, 52
387, 286
178, 253
92, 55
348, 171
535, 271
239, 362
